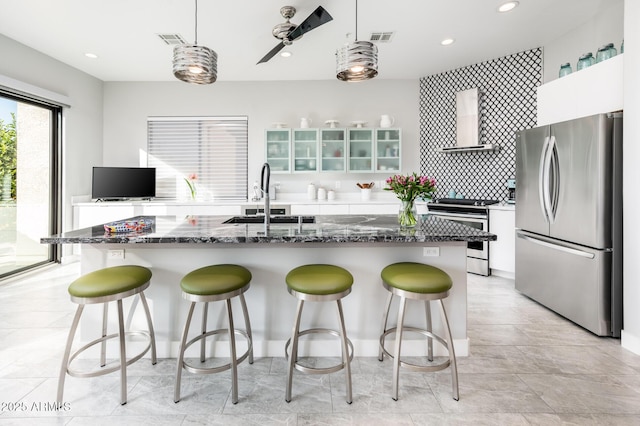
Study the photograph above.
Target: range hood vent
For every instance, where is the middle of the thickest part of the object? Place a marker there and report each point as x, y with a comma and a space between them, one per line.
468, 123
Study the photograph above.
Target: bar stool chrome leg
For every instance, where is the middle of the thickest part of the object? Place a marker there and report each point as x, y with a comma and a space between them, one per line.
293, 358
452, 353
427, 308
396, 358
183, 342
385, 321
345, 352
67, 353
245, 313
232, 354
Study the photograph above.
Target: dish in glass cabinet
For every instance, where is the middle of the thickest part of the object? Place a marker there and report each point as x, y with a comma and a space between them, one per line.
332, 123
358, 124
279, 125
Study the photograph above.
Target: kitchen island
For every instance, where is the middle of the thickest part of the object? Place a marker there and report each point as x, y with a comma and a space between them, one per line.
173, 246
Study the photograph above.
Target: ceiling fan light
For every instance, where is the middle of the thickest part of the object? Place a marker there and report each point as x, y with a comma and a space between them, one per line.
357, 61
195, 64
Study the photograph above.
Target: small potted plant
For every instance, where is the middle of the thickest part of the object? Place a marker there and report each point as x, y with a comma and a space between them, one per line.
191, 183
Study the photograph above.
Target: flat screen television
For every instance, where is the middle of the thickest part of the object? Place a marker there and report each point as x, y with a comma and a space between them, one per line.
121, 183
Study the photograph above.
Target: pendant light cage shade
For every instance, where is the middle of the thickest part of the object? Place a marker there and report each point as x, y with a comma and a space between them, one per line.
195, 64
357, 61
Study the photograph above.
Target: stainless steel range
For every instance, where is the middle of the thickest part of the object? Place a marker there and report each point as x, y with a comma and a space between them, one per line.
470, 212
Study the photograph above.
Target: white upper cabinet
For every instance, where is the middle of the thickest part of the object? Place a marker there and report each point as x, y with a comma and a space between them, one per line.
593, 90
388, 143
333, 150
305, 150
278, 150
354, 150
361, 150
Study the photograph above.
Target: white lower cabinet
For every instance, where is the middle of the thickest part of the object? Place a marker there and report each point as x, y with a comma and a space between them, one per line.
90, 215
334, 208
502, 251
374, 208
305, 209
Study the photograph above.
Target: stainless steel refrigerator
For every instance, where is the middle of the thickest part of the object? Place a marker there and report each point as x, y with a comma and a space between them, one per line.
569, 219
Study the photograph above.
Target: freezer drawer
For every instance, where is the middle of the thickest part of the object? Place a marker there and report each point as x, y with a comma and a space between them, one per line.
572, 280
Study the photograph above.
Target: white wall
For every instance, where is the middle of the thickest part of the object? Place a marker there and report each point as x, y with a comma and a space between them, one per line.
605, 28
127, 106
631, 332
82, 122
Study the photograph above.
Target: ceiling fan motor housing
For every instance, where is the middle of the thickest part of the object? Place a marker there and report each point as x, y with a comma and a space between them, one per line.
282, 31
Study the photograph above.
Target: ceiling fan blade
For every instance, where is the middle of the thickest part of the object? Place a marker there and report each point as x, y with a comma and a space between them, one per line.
271, 53
318, 17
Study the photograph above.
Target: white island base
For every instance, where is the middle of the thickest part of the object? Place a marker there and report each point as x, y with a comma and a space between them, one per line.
271, 307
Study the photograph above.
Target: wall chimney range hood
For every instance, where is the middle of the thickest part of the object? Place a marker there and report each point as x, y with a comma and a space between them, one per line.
468, 123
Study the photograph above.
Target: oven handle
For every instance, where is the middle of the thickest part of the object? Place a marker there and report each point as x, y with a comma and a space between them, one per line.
480, 217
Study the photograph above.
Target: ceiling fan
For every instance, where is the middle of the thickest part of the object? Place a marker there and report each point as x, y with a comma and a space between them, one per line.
287, 32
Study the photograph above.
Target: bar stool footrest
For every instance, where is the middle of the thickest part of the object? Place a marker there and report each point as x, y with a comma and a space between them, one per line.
102, 371
411, 366
225, 367
324, 370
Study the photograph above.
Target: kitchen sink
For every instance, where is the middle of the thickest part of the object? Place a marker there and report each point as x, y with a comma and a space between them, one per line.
274, 219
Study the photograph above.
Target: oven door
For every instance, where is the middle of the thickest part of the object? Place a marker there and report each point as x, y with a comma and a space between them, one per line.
477, 251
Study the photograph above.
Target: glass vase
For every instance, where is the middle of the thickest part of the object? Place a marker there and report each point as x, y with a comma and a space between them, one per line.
408, 214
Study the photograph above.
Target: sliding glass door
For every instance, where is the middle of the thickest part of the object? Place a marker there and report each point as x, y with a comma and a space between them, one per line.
29, 140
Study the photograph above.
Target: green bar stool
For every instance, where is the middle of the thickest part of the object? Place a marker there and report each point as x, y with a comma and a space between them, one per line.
319, 283
212, 284
104, 286
417, 281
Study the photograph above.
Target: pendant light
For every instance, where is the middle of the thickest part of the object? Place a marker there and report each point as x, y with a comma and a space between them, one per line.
357, 61
193, 63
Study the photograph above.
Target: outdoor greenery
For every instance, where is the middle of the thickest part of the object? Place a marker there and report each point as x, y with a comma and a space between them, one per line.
8, 155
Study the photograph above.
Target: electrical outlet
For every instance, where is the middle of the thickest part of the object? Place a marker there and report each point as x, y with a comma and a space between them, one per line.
431, 251
338, 184
115, 254
382, 184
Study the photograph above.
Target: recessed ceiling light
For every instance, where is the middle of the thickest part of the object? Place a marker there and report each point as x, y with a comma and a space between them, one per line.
447, 41
285, 54
506, 7
91, 55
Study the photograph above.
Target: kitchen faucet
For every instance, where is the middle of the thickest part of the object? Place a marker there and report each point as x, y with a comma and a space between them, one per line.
264, 188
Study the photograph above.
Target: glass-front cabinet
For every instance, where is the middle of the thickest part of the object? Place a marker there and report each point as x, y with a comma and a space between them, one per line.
388, 150
278, 147
361, 150
332, 150
354, 150
305, 150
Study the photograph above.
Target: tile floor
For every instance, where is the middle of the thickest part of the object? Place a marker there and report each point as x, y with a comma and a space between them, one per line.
527, 366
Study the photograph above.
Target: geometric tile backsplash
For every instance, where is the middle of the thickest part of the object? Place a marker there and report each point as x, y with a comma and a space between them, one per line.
508, 104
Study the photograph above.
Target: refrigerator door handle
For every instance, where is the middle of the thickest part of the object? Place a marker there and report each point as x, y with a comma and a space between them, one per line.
554, 245
543, 179
553, 176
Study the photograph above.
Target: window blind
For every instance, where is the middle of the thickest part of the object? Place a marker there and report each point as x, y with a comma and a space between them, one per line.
212, 148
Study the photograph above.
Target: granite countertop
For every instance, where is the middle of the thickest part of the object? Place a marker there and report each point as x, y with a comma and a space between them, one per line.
327, 229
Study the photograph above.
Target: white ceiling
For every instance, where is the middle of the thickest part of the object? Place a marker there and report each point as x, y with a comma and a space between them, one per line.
123, 33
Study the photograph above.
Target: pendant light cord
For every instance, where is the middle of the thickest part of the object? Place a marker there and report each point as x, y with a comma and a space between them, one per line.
196, 19
356, 20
